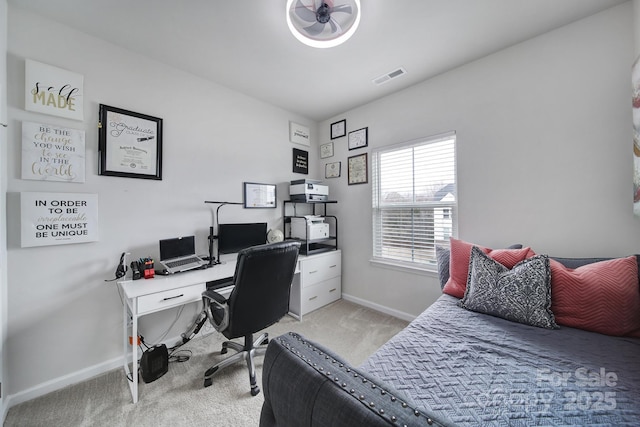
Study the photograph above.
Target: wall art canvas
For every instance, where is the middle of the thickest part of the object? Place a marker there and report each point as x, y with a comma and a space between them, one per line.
58, 218
53, 90
299, 134
635, 99
52, 153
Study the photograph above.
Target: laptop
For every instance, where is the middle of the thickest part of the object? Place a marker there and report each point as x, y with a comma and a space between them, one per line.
179, 254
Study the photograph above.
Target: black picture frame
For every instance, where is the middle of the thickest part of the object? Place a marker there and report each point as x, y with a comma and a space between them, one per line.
129, 144
300, 161
257, 195
338, 129
358, 138
357, 169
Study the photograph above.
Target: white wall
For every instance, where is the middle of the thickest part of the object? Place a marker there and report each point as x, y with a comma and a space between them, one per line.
63, 317
3, 184
544, 153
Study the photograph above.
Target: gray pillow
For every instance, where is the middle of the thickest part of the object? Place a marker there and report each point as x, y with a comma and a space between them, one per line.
443, 255
522, 294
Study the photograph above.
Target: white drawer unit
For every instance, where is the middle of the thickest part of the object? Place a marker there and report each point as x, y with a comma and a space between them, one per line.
318, 284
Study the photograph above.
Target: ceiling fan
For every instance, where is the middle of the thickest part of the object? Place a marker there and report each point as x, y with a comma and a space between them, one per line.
323, 23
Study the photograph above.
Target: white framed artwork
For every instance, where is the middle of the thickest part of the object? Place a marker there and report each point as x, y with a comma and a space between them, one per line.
53, 90
52, 153
58, 218
299, 134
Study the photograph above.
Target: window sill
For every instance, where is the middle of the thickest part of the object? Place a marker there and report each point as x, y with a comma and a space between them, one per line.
407, 268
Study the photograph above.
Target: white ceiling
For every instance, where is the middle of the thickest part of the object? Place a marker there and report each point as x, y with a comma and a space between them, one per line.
246, 44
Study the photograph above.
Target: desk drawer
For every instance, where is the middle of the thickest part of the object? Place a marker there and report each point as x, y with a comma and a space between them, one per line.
174, 297
320, 294
321, 268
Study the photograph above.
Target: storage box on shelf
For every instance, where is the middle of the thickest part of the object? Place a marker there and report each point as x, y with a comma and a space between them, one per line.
311, 245
318, 284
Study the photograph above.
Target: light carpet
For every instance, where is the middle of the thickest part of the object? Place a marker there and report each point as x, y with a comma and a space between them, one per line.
179, 399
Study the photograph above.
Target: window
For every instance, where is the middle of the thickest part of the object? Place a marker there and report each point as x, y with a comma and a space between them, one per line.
414, 200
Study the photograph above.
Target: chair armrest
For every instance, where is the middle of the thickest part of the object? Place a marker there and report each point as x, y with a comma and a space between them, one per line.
214, 301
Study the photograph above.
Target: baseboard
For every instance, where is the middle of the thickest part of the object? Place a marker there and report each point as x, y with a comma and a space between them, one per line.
377, 307
79, 376
60, 382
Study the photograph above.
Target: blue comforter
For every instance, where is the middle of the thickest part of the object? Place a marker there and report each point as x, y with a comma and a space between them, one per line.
475, 370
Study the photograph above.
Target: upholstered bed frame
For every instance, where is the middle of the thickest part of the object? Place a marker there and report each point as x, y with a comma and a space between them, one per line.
454, 366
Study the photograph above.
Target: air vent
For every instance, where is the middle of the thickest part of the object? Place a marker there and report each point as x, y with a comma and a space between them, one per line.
389, 76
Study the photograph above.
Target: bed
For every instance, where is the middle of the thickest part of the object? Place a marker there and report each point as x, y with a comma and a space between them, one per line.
453, 366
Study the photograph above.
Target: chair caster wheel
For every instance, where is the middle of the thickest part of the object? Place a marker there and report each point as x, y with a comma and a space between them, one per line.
224, 350
265, 341
255, 391
208, 382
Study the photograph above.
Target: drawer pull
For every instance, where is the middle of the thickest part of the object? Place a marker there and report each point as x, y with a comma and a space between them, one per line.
333, 266
332, 290
314, 271
312, 298
168, 298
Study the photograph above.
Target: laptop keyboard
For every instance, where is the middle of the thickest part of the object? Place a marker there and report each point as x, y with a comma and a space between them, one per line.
180, 262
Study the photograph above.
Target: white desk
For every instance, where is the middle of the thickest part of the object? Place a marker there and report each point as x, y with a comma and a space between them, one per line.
146, 296
316, 283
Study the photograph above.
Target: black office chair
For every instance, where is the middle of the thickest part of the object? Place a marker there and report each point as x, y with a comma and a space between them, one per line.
259, 299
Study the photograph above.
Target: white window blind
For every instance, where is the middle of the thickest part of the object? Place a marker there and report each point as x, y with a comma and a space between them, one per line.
414, 200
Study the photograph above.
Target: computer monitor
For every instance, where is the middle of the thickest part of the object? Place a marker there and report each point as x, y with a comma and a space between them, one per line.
233, 238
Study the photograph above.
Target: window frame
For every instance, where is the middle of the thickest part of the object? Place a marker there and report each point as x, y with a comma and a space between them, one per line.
378, 207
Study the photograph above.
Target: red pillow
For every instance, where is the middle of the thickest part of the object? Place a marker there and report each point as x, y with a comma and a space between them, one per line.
459, 263
601, 297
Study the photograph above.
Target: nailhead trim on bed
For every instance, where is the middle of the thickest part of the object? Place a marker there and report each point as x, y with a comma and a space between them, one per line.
371, 395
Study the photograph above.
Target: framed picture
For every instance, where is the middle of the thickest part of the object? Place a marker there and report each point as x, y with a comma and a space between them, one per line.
300, 161
357, 169
332, 170
259, 195
326, 150
358, 138
299, 134
338, 129
130, 144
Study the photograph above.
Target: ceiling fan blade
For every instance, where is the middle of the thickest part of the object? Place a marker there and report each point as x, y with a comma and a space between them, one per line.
314, 29
343, 8
335, 27
304, 12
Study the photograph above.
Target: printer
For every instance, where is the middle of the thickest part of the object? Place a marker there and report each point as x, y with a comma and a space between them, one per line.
308, 190
309, 227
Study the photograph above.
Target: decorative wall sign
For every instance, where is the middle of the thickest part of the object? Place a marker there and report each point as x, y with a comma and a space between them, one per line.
635, 99
299, 134
357, 169
58, 218
52, 90
332, 170
52, 153
300, 161
259, 195
130, 144
338, 129
326, 150
358, 138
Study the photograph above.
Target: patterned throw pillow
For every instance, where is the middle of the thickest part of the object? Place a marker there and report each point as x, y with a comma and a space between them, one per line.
459, 263
442, 255
522, 294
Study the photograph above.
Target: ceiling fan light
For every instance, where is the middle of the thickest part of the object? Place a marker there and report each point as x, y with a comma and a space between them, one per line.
316, 27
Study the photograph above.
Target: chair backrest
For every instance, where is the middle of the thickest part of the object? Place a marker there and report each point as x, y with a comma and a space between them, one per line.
262, 282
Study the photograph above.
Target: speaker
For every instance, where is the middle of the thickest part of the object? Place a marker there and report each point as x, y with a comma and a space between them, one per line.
154, 363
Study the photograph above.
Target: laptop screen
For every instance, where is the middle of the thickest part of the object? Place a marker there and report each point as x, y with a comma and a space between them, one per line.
177, 247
